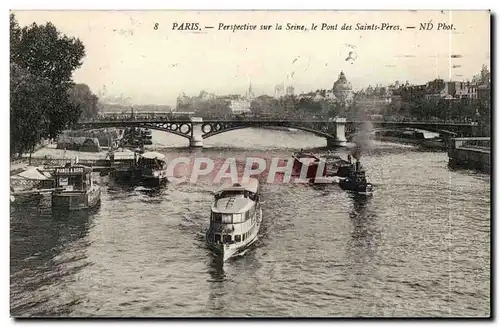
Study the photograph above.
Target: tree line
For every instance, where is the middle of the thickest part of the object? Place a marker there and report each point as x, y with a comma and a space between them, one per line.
44, 100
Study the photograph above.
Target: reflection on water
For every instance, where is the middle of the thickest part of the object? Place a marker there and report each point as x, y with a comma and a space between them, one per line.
218, 284
321, 251
362, 245
364, 221
48, 248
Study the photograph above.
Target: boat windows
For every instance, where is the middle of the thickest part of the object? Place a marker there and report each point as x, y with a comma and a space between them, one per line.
227, 218
75, 181
217, 238
216, 217
227, 238
237, 238
237, 218
243, 237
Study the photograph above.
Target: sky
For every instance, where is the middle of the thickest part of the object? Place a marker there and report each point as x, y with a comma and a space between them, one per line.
126, 57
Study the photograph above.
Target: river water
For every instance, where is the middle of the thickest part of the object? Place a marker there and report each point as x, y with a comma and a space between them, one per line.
419, 247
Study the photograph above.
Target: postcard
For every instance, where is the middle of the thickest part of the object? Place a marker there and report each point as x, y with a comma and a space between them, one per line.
250, 164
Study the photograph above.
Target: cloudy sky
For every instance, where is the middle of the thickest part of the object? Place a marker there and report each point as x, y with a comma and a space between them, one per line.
126, 56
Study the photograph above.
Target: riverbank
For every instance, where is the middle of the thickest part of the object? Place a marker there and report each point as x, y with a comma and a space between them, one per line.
51, 152
471, 153
48, 153
18, 164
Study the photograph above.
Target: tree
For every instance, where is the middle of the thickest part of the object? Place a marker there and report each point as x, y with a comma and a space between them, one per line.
30, 95
332, 109
42, 59
81, 96
310, 106
483, 78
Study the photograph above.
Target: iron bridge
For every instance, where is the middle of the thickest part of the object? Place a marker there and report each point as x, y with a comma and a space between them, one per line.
185, 128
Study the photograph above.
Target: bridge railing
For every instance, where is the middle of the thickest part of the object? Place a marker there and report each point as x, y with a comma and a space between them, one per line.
274, 118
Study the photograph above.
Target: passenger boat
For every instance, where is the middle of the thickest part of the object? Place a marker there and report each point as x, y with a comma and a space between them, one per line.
356, 180
311, 161
153, 168
124, 167
235, 220
75, 188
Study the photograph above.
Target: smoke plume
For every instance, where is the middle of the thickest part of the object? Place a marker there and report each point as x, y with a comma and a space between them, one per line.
363, 140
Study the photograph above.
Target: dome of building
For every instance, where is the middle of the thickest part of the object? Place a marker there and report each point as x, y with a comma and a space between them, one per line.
342, 84
342, 90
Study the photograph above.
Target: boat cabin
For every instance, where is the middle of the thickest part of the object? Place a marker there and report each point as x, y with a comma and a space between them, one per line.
233, 212
73, 177
152, 160
249, 191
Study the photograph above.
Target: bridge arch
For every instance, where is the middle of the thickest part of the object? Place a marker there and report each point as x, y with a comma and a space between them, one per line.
206, 133
182, 129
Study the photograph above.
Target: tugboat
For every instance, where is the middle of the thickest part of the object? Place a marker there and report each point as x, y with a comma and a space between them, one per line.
75, 188
153, 168
308, 159
356, 180
235, 220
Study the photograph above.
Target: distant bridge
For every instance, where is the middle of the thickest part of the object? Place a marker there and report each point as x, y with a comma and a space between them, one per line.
336, 131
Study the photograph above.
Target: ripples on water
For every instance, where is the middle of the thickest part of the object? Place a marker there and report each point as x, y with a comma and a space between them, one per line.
419, 247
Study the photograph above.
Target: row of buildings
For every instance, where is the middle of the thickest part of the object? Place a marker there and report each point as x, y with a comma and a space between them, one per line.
210, 103
447, 90
372, 100
341, 91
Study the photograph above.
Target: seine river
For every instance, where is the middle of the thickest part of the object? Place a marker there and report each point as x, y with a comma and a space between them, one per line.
419, 247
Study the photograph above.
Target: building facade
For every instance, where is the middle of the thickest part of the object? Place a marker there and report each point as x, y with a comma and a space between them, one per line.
240, 107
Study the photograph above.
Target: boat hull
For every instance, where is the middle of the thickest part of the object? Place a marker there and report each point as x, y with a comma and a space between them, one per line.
153, 181
126, 175
74, 201
25, 200
348, 185
227, 251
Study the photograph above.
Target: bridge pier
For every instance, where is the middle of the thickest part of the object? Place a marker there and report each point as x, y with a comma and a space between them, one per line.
339, 139
196, 140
